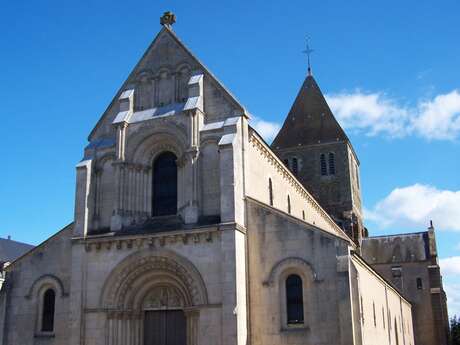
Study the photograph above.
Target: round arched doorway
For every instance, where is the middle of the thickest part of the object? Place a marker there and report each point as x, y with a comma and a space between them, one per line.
153, 299
164, 317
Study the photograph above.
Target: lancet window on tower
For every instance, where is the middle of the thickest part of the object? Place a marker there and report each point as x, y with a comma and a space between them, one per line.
323, 164
295, 166
331, 163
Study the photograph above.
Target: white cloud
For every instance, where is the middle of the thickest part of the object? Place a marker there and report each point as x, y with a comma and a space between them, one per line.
450, 269
453, 299
376, 113
266, 129
373, 113
440, 117
415, 206
450, 266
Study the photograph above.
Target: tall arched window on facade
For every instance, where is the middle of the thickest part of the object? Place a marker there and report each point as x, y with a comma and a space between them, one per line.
323, 164
49, 301
331, 163
289, 204
270, 191
294, 300
164, 201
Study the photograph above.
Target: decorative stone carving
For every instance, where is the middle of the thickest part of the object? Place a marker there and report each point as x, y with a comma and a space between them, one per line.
163, 297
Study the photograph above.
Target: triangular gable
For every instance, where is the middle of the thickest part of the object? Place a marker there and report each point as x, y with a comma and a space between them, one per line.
168, 51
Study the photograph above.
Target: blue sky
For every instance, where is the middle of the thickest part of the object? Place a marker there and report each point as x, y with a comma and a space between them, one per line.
390, 71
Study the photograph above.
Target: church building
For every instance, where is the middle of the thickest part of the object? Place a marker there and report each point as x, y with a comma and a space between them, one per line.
190, 229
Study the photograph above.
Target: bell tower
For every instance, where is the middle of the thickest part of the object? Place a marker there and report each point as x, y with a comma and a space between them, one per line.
316, 149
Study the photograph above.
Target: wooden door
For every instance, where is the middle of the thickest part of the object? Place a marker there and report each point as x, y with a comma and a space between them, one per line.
165, 327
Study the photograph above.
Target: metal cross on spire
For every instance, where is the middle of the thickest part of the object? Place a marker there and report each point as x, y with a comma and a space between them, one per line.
308, 51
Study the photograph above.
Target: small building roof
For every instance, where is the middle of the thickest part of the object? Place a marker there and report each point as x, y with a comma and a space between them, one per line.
10, 250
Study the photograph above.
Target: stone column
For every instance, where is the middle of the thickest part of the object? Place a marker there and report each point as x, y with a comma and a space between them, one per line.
82, 205
192, 316
188, 169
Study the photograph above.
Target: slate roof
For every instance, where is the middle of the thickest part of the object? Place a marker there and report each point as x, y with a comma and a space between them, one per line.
10, 250
310, 120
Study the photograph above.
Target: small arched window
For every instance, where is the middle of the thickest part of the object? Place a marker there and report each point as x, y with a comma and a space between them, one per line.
294, 300
357, 175
323, 164
419, 284
303, 215
375, 317
331, 163
295, 166
270, 191
49, 301
289, 204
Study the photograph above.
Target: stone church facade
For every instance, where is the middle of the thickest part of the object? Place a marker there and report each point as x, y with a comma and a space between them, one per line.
190, 229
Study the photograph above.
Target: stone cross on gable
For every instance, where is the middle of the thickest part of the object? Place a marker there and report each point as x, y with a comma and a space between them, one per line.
168, 19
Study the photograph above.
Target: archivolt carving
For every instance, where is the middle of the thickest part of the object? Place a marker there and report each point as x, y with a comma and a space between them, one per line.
139, 275
49, 279
164, 297
291, 262
140, 144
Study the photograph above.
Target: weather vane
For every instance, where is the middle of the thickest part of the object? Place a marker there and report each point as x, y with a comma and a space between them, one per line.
308, 51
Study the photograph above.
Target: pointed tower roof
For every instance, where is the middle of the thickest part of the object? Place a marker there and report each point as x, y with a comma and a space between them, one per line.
310, 120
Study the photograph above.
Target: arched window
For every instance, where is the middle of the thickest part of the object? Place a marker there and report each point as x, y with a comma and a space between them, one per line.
303, 215
286, 162
331, 163
294, 299
357, 175
375, 317
323, 164
49, 300
164, 201
270, 191
295, 166
289, 204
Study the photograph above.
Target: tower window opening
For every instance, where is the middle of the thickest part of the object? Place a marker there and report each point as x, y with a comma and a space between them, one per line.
331, 163
289, 204
286, 162
419, 284
295, 166
323, 164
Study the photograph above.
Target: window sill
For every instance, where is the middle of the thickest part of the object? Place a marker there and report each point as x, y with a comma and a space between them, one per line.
295, 328
44, 335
